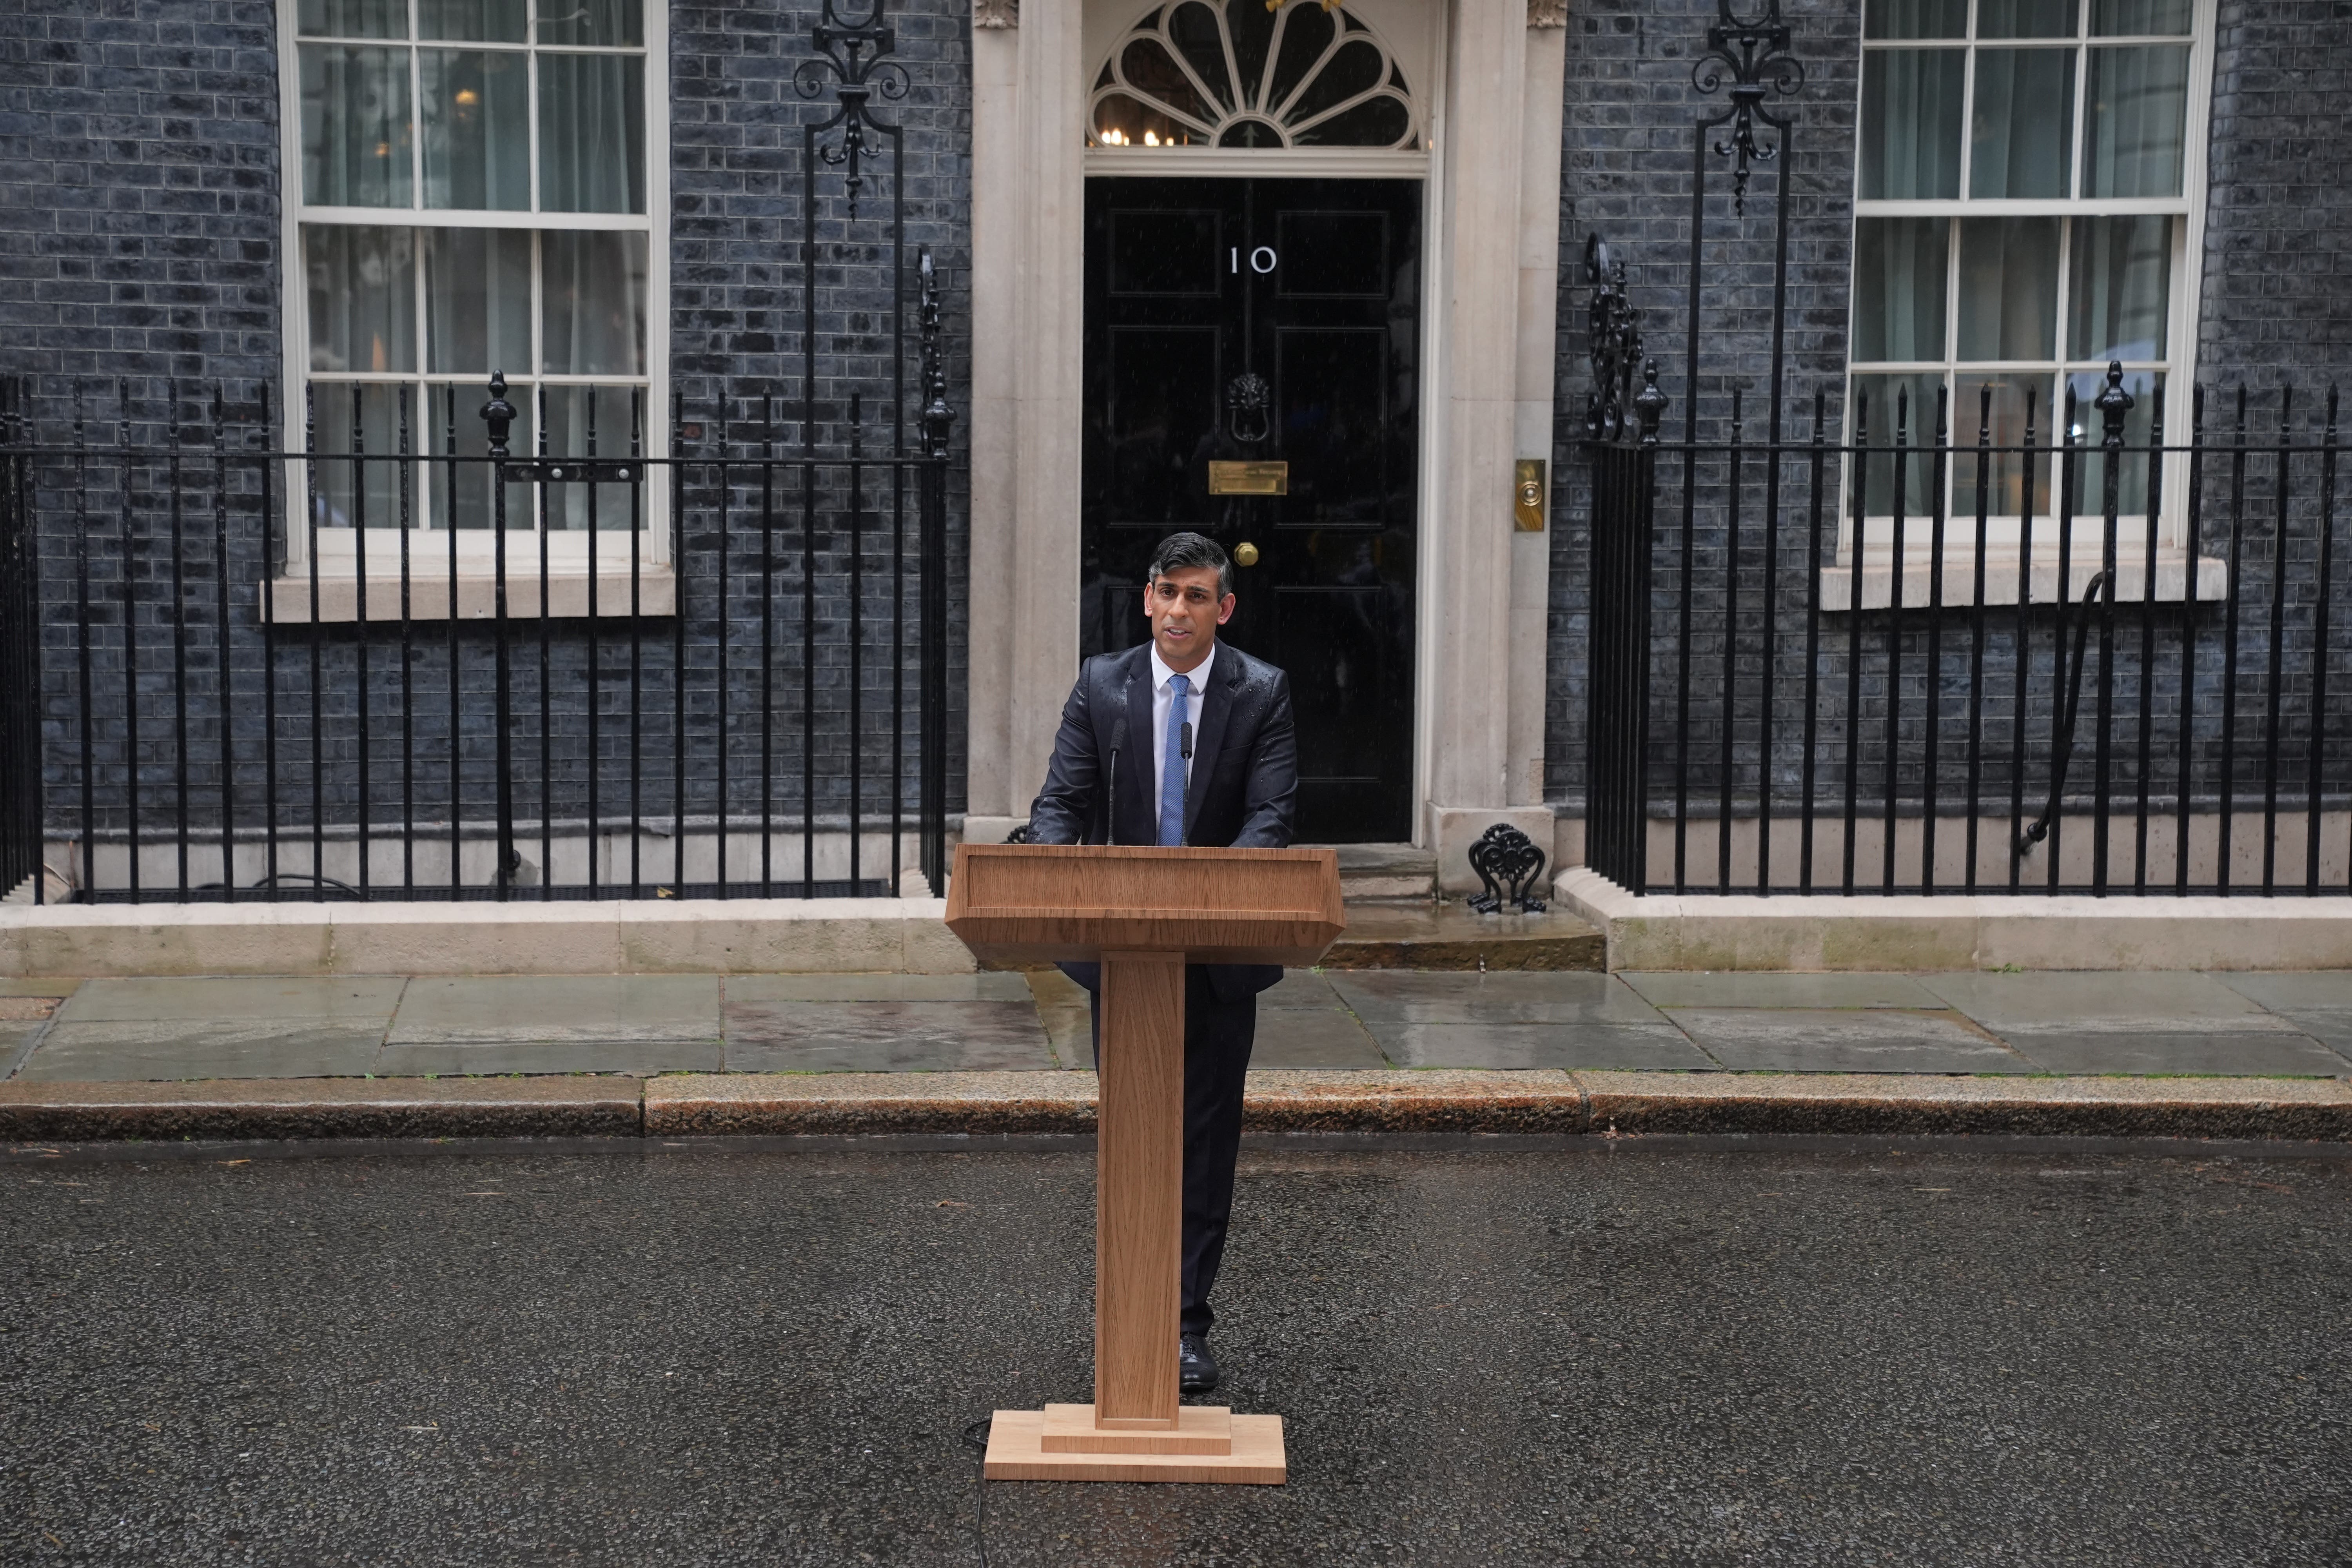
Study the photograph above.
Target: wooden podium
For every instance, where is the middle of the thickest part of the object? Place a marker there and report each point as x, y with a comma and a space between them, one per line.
1144, 913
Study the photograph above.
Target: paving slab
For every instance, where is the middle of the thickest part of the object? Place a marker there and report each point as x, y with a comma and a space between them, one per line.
15, 1038
1720, 988
886, 1037
2317, 1001
2158, 998
2159, 1021
992, 987
1874, 1039
546, 1008
203, 1049
1557, 1047
144, 999
1302, 1023
50, 986
534, 1057
1559, 996
2221, 1053
1559, 1019
1066, 1013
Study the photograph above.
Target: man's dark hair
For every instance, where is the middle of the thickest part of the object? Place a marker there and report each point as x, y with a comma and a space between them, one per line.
1180, 550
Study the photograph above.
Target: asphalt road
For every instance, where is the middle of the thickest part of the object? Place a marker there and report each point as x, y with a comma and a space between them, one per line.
1842, 1356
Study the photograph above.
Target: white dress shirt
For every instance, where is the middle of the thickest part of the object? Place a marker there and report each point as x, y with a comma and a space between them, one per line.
1161, 699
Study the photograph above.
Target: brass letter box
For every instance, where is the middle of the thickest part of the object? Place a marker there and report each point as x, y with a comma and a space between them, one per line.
1249, 478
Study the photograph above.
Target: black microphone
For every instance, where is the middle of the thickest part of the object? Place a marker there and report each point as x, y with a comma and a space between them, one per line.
1187, 742
1117, 741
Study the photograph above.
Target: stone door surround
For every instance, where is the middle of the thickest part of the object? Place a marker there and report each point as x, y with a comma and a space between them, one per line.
1490, 94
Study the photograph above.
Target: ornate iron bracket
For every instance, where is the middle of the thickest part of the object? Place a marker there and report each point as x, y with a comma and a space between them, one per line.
1756, 53
1505, 852
853, 54
1612, 410
936, 417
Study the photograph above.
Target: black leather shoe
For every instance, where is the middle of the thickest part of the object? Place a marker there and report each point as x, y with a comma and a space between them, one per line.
1196, 1369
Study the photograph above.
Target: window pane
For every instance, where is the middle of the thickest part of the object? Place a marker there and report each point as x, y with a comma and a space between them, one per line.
472, 480
471, 21
2025, 18
355, 491
2009, 288
355, 126
1911, 123
604, 22
594, 288
1915, 19
2121, 288
592, 133
478, 300
593, 421
352, 18
1892, 412
2091, 474
2126, 18
2022, 129
2140, 109
1899, 266
476, 135
362, 290
2019, 417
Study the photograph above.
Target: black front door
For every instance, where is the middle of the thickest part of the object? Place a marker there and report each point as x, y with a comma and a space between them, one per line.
1245, 336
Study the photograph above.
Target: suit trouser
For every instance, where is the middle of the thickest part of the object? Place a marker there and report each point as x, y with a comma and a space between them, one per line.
1217, 1041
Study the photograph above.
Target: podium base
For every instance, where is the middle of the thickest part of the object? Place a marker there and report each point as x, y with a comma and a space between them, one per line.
1017, 1451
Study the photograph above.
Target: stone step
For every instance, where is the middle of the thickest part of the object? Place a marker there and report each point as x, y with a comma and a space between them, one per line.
1387, 871
1428, 935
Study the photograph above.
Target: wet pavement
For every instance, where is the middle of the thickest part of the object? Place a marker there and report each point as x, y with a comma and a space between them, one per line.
2189, 1022
1861, 1352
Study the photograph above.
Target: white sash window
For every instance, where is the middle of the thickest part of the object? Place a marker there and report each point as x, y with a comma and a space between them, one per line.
2029, 195
475, 185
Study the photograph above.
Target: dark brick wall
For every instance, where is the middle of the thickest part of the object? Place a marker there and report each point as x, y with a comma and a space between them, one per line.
2277, 309
139, 166
139, 188
2276, 306
1629, 130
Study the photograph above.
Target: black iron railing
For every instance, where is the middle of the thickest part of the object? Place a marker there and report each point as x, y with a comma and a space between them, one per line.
716, 669
20, 662
2136, 691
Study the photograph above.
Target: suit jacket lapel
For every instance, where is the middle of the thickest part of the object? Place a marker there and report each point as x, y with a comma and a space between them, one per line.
1136, 784
1225, 681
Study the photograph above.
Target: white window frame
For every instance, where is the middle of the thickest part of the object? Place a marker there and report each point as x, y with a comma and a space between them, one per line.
568, 549
2171, 576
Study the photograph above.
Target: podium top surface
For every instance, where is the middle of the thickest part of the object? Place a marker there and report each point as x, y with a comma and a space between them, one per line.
1034, 902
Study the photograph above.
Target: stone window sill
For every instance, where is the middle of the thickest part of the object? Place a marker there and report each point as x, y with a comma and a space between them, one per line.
2172, 577
288, 602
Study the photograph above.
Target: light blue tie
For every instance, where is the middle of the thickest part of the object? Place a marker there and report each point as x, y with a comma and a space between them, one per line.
1171, 771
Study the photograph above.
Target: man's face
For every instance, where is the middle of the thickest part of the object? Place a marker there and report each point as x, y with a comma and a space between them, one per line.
1185, 614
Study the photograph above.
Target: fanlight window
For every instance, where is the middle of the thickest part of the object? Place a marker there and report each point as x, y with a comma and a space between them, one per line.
1246, 74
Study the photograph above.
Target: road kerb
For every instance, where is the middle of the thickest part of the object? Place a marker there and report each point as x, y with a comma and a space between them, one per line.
322, 1107
1602, 1104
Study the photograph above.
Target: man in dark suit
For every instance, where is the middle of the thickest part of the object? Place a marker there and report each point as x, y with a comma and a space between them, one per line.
1184, 740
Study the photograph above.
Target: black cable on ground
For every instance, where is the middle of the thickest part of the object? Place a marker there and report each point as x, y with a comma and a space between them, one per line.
976, 1436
